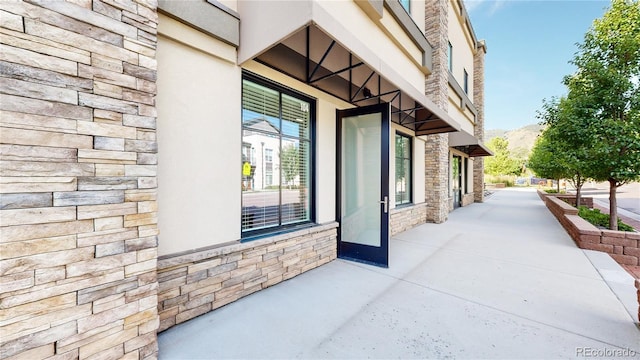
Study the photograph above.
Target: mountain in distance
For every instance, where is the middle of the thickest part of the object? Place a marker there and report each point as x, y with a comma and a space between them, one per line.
521, 140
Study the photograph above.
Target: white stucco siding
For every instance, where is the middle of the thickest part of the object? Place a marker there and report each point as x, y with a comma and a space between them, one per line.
199, 100
464, 117
418, 171
463, 48
470, 177
418, 12
386, 47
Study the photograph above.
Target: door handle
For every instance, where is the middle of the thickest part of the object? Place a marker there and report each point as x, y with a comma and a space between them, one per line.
386, 204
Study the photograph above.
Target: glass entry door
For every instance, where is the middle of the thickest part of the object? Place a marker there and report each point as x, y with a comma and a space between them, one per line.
363, 184
457, 181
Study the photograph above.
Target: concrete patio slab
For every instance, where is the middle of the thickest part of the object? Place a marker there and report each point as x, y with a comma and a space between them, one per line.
498, 280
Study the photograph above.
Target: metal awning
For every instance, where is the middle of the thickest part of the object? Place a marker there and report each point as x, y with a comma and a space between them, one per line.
468, 144
316, 50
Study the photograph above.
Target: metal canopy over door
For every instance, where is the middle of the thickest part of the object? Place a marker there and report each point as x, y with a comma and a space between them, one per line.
363, 184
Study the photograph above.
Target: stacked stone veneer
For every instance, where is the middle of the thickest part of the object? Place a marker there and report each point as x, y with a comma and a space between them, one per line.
437, 89
478, 130
407, 217
78, 189
468, 199
195, 283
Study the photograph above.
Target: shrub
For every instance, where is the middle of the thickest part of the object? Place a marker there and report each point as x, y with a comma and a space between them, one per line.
597, 218
495, 179
554, 191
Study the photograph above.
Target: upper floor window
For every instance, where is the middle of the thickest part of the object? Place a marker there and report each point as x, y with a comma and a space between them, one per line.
450, 57
466, 82
276, 155
405, 5
403, 169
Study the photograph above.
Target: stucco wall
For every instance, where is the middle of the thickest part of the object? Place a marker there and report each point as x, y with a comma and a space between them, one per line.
199, 131
463, 46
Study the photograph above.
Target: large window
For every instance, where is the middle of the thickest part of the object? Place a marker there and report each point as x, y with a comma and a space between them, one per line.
406, 5
403, 169
276, 156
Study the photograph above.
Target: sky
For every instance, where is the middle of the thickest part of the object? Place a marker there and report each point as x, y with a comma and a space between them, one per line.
529, 46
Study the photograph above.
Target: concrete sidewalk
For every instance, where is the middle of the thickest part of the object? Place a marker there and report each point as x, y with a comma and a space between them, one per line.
498, 280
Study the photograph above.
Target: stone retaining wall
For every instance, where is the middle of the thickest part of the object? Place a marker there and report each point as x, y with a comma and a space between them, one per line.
78, 241
569, 199
407, 217
623, 246
195, 283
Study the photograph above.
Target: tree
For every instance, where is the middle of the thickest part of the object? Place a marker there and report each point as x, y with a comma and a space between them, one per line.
544, 162
564, 148
290, 162
501, 163
604, 95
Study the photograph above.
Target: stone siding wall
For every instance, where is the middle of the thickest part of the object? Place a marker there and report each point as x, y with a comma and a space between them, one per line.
437, 89
478, 131
437, 178
78, 189
468, 199
407, 217
195, 283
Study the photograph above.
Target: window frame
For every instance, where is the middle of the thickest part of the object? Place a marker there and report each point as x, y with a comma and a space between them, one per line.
249, 235
465, 81
466, 175
410, 177
450, 56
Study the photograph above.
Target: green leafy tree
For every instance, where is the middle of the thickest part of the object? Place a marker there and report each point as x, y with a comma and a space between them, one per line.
564, 147
604, 95
544, 162
501, 163
290, 163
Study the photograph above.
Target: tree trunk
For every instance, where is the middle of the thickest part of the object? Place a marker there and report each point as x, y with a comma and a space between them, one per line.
613, 205
579, 183
558, 186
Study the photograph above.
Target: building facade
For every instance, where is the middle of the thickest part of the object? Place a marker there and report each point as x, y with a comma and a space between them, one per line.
161, 159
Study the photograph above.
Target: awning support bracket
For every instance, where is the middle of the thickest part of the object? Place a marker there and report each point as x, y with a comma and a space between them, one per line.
319, 64
379, 96
335, 73
363, 86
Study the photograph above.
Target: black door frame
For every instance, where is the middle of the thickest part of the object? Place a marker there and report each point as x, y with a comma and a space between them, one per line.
457, 194
378, 256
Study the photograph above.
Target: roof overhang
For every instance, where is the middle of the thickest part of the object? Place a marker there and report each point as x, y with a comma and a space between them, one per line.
468, 144
307, 44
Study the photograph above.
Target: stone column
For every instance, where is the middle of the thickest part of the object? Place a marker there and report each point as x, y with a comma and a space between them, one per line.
437, 146
478, 101
78, 241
